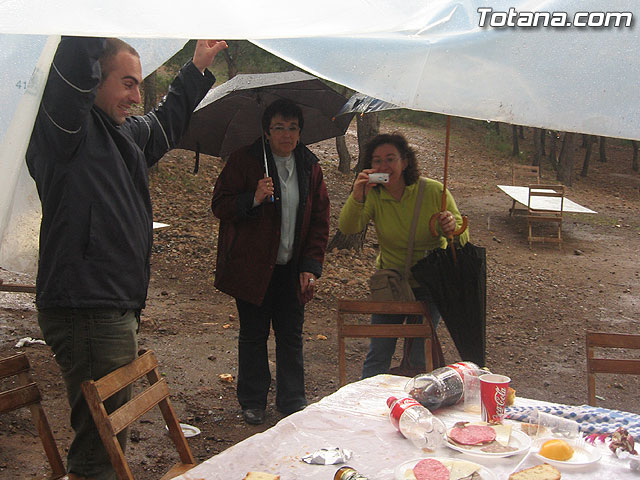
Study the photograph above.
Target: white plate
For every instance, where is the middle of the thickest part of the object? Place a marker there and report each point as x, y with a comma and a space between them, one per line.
584, 454
398, 472
519, 440
188, 430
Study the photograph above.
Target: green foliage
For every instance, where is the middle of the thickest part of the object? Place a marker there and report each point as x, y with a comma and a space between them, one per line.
253, 59
414, 117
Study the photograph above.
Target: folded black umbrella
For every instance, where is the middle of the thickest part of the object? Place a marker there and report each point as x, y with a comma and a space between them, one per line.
459, 290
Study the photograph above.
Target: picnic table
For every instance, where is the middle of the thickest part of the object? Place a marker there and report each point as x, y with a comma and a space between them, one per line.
521, 195
355, 418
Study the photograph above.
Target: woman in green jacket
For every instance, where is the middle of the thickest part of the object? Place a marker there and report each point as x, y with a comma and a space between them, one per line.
390, 206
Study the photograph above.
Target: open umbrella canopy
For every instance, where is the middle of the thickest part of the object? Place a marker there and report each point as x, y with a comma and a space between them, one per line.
230, 116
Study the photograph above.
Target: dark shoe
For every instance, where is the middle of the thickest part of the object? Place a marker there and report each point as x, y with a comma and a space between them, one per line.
290, 410
253, 416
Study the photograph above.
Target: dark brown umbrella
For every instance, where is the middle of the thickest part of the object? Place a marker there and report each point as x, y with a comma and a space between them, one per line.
229, 116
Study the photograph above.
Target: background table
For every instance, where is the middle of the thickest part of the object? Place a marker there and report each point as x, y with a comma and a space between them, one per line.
355, 417
521, 195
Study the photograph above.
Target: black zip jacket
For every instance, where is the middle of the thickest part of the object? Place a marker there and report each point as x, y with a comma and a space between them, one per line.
92, 178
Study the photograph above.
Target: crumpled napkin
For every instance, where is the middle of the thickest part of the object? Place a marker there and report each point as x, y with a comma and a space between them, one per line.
29, 341
328, 456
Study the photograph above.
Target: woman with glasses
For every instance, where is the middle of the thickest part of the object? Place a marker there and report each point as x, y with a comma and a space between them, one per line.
390, 206
271, 244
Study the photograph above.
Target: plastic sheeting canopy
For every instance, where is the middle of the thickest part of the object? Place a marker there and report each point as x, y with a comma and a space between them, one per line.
424, 55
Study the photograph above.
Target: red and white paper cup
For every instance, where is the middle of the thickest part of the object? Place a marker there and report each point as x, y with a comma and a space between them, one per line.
493, 397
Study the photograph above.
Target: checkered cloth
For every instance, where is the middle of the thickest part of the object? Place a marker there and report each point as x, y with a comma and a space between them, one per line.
590, 419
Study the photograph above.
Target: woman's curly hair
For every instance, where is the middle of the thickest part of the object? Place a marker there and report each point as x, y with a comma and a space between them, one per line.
410, 173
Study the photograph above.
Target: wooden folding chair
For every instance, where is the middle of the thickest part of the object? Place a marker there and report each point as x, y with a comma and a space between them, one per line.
109, 425
540, 214
412, 330
609, 365
27, 394
522, 175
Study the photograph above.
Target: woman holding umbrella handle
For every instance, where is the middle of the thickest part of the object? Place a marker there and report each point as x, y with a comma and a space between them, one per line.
390, 206
270, 254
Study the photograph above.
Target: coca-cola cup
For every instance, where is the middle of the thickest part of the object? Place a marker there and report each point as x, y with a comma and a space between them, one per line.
493, 397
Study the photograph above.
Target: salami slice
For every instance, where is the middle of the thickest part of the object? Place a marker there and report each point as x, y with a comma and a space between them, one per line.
430, 469
472, 434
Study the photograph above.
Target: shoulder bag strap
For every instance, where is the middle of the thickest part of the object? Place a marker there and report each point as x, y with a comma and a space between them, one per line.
414, 226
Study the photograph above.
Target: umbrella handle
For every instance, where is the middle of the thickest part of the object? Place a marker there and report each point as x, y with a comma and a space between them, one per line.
456, 233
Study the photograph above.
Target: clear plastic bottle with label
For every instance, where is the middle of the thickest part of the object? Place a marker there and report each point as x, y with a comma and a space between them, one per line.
416, 423
443, 386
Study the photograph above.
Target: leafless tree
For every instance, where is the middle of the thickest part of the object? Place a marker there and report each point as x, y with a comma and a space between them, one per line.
565, 161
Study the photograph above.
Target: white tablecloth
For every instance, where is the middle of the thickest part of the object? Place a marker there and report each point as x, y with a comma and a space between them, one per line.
355, 417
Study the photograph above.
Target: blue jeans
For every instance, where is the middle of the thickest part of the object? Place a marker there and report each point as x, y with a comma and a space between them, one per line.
381, 350
88, 343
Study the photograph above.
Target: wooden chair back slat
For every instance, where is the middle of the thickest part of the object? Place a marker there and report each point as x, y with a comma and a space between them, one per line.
14, 365
109, 425
522, 175
138, 406
413, 330
120, 378
27, 394
597, 364
19, 397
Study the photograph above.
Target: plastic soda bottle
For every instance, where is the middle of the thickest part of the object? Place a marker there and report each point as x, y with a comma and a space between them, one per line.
443, 386
416, 423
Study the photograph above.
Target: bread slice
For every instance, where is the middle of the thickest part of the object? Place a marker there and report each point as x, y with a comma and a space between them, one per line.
539, 472
261, 476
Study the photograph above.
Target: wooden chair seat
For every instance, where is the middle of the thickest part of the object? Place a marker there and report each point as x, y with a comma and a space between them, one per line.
27, 394
609, 365
413, 330
109, 425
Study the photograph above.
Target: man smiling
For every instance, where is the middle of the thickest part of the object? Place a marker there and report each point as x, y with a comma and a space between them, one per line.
90, 161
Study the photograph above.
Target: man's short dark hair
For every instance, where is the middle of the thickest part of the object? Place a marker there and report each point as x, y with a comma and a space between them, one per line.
112, 48
286, 109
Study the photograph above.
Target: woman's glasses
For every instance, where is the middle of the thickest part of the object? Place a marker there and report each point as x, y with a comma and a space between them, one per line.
279, 129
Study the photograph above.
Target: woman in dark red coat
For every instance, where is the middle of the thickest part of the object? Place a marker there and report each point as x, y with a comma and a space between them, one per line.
273, 235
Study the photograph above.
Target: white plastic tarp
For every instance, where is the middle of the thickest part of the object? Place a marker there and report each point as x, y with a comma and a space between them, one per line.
426, 55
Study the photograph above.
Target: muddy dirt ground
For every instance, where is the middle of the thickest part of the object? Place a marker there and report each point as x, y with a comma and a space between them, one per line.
540, 301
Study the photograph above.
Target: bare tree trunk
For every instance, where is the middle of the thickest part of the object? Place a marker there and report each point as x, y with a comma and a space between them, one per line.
496, 125
150, 92
634, 162
521, 132
553, 158
565, 162
588, 141
543, 139
230, 54
537, 146
346, 242
603, 151
368, 127
516, 147
343, 154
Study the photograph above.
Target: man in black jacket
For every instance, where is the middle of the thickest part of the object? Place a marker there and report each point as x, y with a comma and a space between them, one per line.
90, 161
